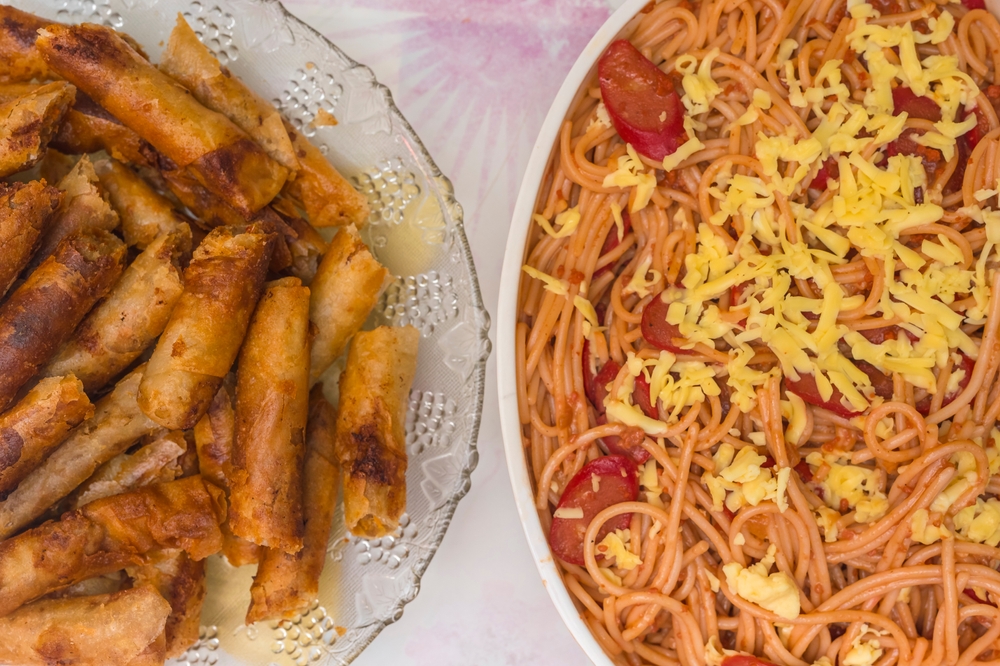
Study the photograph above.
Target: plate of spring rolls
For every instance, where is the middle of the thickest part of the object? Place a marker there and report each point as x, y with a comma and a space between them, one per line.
242, 345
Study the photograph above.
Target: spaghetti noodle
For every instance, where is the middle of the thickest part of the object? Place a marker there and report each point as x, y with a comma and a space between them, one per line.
757, 347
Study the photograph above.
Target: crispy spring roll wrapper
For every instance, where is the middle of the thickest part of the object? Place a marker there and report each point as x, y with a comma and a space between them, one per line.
37, 424
28, 123
371, 442
272, 406
156, 462
181, 581
95, 630
210, 210
206, 329
106, 584
88, 128
108, 535
154, 655
189, 61
83, 208
19, 59
326, 196
43, 312
129, 320
220, 155
347, 286
25, 212
306, 246
144, 213
11, 91
117, 423
213, 438
285, 584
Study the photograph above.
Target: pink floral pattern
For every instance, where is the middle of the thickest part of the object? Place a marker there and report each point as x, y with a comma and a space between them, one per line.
474, 77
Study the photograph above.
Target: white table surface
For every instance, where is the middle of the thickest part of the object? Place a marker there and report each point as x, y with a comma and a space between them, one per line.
475, 79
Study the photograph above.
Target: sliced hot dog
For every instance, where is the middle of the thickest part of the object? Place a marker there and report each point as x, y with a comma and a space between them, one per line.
616, 481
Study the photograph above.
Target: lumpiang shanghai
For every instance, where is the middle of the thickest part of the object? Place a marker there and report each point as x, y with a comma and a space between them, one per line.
183, 288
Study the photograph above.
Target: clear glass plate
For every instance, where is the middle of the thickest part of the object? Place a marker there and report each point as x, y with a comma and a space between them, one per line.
416, 231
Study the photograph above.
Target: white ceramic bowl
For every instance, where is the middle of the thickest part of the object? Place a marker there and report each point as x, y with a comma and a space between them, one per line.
507, 319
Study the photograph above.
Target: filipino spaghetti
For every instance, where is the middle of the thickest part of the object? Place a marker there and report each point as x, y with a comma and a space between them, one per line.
757, 342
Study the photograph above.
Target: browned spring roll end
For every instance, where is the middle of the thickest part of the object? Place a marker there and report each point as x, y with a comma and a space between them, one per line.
47, 307
28, 123
181, 581
37, 424
19, 59
25, 212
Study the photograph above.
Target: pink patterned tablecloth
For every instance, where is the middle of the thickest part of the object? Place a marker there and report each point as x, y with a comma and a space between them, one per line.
475, 79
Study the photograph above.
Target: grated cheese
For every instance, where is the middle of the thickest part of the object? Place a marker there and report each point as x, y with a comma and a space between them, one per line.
569, 513
630, 172
775, 592
615, 544
555, 285
567, 221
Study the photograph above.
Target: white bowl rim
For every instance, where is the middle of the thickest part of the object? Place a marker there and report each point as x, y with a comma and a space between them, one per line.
506, 322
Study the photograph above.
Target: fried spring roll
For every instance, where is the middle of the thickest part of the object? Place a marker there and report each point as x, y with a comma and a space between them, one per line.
156, 462
88, 128
25, 212
347, 285
285, 584
211, 212
181, 581
144, 214
209, 209
295, 249
108, 535
221, 288
28, 123
129, 320
189, 61
272, 405
19, 59
306, 246
37, 424
117, 423
371, 443
102, 629
326, 196
43, 312
83, 208
213, 438
220, 155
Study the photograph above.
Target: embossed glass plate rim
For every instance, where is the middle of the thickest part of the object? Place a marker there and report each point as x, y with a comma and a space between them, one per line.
454, 209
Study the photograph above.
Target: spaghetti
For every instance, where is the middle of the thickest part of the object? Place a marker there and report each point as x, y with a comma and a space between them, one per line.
757, 348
